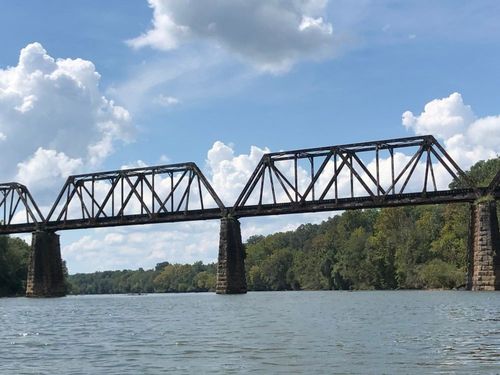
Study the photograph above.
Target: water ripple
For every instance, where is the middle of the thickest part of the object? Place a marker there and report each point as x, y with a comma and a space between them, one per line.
281, 333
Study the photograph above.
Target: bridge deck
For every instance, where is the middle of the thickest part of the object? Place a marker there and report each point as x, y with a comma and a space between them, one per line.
396, 200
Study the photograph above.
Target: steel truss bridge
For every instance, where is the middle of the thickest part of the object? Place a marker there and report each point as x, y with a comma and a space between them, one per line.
385, 173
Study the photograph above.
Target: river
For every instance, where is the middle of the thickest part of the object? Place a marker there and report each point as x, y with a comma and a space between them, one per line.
397, 332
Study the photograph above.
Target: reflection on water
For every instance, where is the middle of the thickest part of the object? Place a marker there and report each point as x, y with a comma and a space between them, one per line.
287, 332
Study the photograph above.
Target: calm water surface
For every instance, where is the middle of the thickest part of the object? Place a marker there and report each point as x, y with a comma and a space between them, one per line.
264, 333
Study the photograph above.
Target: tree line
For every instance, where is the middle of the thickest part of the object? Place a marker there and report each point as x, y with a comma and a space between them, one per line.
391, 248
164, 278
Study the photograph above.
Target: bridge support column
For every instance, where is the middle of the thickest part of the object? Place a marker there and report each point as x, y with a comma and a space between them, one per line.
484, 247
45, 271
231, 266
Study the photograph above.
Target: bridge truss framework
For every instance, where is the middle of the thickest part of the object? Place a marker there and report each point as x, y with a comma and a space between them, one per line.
342, 177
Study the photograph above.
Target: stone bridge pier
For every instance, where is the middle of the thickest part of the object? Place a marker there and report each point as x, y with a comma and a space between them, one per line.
484, 247
45, 269
231, 263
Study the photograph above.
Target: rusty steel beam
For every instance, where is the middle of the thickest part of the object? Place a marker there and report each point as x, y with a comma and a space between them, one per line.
356, 147
193, 215
19, 228
340, 204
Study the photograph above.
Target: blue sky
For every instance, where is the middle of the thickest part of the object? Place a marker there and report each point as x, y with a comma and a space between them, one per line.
276, 75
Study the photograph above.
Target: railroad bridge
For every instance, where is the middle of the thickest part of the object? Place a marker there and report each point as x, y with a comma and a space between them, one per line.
385, 173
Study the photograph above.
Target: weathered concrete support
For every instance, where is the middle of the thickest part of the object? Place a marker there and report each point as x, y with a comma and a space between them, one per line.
45, 271
484, 247
231, 266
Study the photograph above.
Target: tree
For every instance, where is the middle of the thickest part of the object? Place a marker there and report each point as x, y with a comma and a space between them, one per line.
14, 255
439, 274
480, 173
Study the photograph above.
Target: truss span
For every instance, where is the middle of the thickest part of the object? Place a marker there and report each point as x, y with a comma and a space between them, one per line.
382, 173
178, 192
18, 210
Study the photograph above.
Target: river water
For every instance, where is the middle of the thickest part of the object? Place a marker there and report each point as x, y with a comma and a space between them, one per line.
403, 332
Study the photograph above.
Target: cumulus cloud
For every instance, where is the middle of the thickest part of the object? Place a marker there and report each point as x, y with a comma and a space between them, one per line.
466, 137
52, 164
441, 117
271, 35
230, 173
54, 118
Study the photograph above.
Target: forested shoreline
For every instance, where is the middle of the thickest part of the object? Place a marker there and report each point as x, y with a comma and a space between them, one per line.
395, 248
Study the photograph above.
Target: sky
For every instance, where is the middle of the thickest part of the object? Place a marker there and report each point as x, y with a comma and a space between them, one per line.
89, 86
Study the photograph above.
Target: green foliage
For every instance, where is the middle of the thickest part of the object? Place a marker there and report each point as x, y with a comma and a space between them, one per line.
14, 254
451, 243
165, 277
408, 247
205, 281
185, 278
481, 173
440, 274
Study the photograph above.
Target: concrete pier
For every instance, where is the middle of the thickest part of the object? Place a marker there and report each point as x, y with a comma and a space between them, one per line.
231, 265
484, 247
45, 271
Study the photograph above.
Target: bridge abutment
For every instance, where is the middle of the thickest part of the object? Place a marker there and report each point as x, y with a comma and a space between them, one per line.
231, 265
484, 247
45, 270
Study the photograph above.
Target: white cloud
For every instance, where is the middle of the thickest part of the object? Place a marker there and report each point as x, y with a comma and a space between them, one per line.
119, 248
53, 114
229, 173
45, 166
441, 117
310, 23
271, 35
466, 137
485, 131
